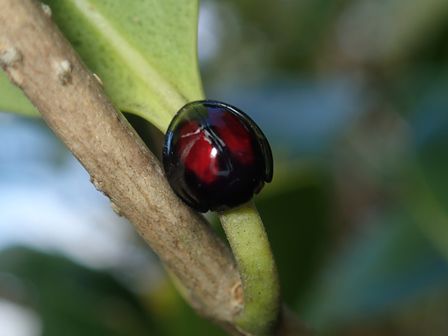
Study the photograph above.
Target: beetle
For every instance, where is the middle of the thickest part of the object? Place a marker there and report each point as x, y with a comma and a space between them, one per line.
215, 156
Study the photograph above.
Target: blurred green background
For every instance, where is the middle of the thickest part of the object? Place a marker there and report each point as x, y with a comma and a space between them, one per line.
353, 97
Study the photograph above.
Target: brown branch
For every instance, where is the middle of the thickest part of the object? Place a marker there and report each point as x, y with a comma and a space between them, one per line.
39, 60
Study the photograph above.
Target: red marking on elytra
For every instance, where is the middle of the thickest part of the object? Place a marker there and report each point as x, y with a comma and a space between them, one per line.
235, 137
197, 152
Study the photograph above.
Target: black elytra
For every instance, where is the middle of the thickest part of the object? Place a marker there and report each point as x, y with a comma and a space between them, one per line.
215, 157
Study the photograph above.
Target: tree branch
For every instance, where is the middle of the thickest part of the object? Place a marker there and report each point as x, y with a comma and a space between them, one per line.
39, 60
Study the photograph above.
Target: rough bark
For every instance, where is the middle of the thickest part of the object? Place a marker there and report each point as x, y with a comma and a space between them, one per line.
39, 60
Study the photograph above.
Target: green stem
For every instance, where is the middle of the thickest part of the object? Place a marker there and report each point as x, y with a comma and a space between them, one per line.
250, 246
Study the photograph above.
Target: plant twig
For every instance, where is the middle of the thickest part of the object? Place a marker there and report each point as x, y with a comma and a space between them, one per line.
39, 60
260, 287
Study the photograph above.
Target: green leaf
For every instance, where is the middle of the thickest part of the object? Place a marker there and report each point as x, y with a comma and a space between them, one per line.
144, 51
424, 180
71, 299
12, 99
424, 201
